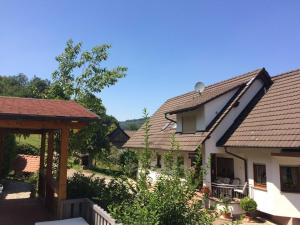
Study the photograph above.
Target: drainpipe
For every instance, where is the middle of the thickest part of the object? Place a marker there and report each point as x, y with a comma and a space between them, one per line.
169, 118
239, 157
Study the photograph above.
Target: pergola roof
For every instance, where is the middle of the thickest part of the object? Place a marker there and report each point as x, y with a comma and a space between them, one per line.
30, 108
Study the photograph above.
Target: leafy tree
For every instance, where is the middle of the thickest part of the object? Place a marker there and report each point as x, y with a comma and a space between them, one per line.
20, 86
81, 72
81, 76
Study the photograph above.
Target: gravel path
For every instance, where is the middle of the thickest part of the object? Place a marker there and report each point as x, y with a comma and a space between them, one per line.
220, 221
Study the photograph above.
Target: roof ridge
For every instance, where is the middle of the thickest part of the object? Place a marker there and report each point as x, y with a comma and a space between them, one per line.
219, 83
39, 99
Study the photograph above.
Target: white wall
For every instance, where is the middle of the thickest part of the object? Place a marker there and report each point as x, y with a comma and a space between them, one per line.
271, 201
155, 172
212, 108
206, 113
210, 144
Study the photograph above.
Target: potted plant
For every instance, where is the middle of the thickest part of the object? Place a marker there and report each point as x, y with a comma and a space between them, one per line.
226, 214
205, 190
249, 206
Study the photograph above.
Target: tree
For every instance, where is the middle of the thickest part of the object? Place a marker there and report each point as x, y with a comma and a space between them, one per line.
81, 76
81, 72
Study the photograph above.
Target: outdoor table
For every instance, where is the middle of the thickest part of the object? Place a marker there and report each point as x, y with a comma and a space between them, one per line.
73, 221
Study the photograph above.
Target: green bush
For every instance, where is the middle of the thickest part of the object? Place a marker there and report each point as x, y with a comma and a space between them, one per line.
27, 149
129, 163
114, 192
9, 153
248, 204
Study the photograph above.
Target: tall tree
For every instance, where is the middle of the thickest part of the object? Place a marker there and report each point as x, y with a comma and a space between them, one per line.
81, 76
81, 72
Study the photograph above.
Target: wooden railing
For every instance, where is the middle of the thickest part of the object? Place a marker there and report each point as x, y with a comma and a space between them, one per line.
227, 190
92, 213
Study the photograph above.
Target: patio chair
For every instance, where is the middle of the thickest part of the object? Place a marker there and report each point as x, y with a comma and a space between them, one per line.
241, 192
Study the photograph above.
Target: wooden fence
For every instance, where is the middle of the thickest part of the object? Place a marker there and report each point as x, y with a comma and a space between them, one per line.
92, 213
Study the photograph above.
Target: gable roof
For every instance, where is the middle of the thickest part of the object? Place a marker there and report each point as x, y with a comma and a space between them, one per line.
162, 129
213, 91
275, 119
28, 108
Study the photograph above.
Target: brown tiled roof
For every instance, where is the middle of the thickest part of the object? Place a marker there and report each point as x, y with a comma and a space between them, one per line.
43, 108
275, 119
27, 163
213, 91
162, 129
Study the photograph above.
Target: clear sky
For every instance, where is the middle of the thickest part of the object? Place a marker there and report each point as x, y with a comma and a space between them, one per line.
167, 45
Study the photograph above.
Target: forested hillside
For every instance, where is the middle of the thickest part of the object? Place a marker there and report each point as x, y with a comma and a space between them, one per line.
134, 124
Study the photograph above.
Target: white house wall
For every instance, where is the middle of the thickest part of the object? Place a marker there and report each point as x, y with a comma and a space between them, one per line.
212, 108
155, 172
210, 144
206, 113
271, 201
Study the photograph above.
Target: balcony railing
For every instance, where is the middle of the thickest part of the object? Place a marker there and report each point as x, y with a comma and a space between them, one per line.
228, 190
92, 213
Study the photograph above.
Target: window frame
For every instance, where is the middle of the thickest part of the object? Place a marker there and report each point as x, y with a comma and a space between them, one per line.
256, 184
281, 181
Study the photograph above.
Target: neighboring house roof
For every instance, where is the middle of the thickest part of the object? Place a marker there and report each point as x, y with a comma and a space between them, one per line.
130, 133
275, 119
26, 163
10, 107
118, 137
162, 129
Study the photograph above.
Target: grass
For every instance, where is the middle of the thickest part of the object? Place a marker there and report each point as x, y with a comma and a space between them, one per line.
33, 139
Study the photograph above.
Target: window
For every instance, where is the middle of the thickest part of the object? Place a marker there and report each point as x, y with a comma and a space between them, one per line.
189, 124
260, 177
290, 178
158, 160
225, 167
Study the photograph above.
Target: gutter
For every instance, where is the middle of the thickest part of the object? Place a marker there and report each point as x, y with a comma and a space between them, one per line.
239, 157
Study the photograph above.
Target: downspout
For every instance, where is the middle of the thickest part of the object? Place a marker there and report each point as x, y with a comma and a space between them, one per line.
169, 118
239, 157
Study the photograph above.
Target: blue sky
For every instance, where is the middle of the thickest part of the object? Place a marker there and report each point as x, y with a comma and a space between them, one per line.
167, 45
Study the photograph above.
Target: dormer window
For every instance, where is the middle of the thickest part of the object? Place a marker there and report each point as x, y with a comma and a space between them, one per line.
189, 124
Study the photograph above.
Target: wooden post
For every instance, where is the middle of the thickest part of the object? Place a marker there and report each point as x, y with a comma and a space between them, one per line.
41, 187
63, 160
49, 201
50, 156
1, 152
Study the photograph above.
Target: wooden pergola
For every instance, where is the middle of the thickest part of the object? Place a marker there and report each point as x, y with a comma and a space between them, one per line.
51, 119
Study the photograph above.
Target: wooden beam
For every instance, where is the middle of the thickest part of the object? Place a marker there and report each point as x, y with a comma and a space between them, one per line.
1, 152
41, 187
50, 156
63, 160
286, 154
36, 124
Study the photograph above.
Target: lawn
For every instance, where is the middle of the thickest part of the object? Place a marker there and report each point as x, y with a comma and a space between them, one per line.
33, 139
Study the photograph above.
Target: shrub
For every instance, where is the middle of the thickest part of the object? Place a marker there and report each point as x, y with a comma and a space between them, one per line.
115, 192
9, 152
248, 204
129, 162
27, 149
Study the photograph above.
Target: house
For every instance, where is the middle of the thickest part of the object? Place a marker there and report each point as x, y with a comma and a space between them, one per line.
248, 131
118, 137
